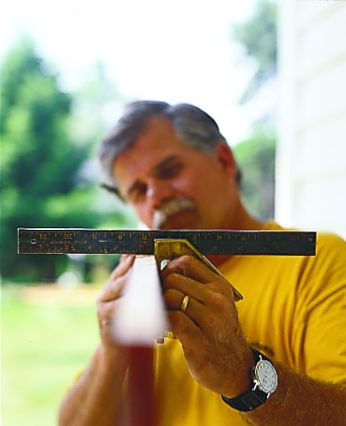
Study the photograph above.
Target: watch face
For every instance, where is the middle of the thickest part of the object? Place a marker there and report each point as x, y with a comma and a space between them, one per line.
266, 376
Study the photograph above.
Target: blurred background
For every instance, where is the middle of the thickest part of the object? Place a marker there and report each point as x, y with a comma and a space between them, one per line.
271, 73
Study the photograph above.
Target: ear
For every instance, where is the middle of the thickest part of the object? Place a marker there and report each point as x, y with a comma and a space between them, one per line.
226, 159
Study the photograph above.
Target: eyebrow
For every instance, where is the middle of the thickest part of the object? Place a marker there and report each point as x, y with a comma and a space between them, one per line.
157, 170
165, 163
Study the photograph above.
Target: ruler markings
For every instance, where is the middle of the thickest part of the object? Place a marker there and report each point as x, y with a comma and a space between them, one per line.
88, 241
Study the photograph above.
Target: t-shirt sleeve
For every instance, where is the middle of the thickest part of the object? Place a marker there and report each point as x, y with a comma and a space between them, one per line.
323, 319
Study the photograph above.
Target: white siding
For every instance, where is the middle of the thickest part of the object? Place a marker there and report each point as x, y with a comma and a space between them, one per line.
311, 155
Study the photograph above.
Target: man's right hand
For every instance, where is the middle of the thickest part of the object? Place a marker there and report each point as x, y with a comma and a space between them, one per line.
109, 298
97, 396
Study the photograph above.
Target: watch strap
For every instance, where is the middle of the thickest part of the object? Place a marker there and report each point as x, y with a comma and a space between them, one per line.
247, 401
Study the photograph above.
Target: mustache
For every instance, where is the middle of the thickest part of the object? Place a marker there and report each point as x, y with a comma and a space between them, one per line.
169, 209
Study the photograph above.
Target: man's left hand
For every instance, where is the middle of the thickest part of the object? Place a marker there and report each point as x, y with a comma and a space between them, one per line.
215, 348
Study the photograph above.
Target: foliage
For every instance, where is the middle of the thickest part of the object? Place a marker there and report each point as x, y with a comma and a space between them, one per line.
41, 163
258, 37
46, 340
256, 154
256, 157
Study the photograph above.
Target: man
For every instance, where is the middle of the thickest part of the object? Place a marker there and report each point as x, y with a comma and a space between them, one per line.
174, 167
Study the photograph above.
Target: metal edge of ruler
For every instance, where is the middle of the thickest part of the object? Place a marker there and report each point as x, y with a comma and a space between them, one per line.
98, 241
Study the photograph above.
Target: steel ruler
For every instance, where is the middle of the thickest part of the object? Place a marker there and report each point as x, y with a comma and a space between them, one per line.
208, 242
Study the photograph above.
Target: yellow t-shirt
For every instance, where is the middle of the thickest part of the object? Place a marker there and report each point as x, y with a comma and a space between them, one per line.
293, 310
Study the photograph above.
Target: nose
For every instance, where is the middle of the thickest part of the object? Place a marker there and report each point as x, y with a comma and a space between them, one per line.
158, 193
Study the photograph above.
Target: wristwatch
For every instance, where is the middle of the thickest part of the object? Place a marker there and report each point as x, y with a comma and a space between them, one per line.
264, 382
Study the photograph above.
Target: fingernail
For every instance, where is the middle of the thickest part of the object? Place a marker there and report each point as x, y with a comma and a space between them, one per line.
163, 264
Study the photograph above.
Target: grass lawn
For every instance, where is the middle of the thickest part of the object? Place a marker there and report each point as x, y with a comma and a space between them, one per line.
47, 336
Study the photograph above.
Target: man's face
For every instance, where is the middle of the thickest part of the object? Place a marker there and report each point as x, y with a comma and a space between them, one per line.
172, 185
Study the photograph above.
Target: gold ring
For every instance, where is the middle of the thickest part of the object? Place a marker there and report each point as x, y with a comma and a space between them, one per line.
184, 303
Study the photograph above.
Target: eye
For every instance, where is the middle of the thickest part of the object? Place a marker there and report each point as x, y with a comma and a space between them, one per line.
137, 193
170, 170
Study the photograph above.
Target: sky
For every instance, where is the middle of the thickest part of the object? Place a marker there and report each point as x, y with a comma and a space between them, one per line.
177, 51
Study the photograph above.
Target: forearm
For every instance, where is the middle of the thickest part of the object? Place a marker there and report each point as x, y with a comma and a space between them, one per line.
96, 396
301, 401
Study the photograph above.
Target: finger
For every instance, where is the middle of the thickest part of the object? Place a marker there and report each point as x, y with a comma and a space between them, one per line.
112, 290
126, 261
191, 267
197, 270
106, 311
114, 287
184, 328
173, 299
194, 309
186, 286
124, 256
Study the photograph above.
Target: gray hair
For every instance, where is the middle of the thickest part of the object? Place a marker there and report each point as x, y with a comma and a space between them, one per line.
194, 126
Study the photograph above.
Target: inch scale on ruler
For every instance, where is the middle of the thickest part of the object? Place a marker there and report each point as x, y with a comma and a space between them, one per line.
208, 242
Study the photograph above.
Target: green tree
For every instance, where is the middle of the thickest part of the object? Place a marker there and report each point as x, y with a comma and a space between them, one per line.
256, 154
258, 36
41, 180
